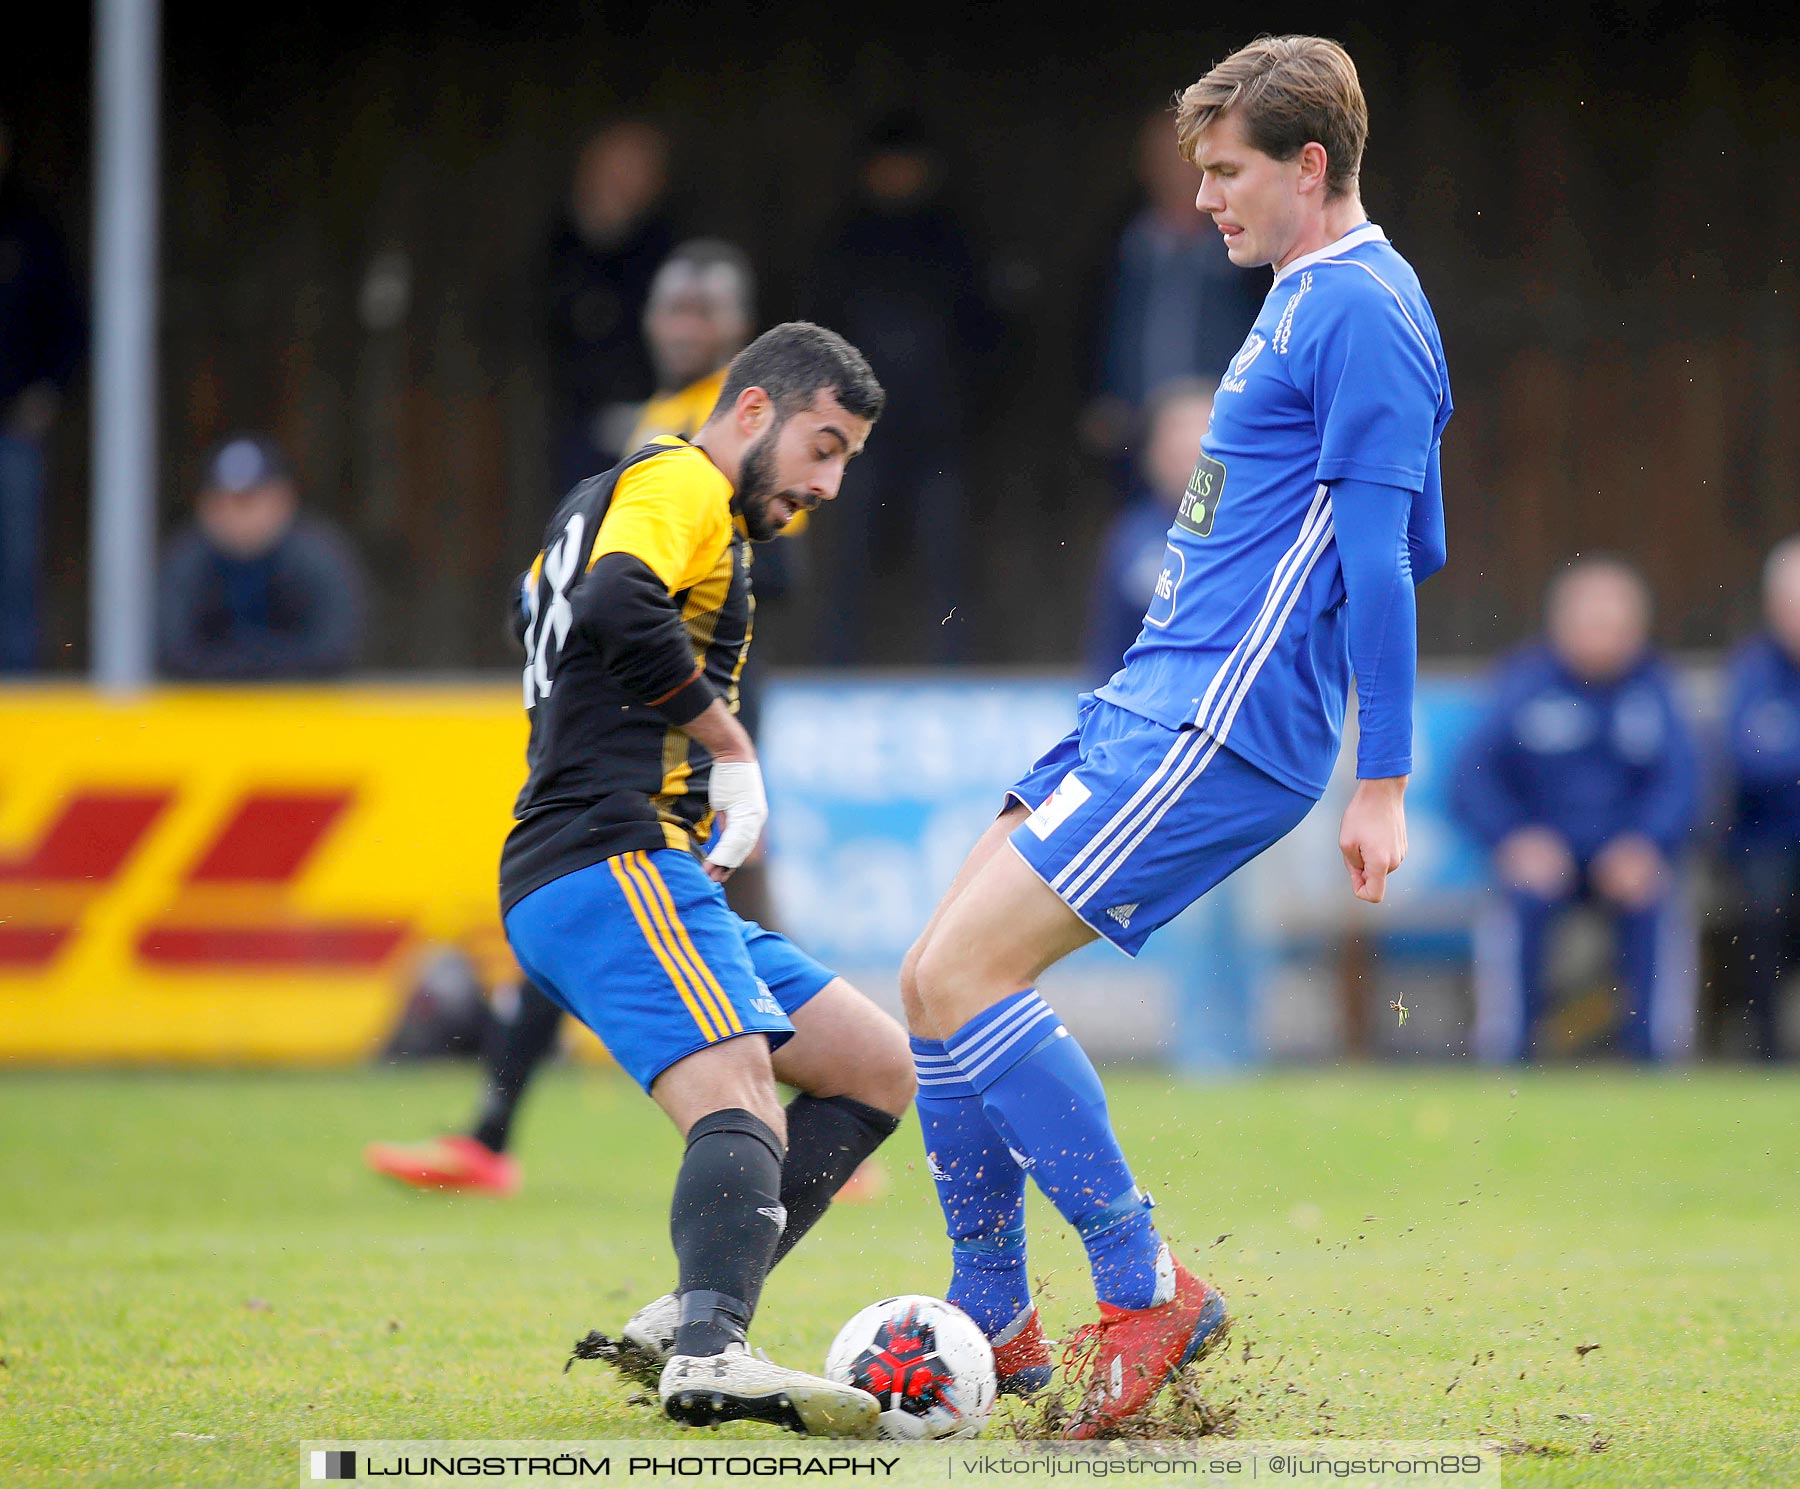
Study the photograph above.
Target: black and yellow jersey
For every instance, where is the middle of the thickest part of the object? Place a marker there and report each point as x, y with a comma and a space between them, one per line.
683, 412
637, 616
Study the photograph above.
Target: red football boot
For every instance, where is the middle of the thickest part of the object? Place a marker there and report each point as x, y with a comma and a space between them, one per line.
446, 1163
1126, 1358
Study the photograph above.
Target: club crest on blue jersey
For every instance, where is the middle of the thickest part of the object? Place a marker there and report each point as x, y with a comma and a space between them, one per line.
1233, 381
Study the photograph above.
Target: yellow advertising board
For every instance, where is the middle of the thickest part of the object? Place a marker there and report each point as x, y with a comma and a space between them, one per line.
244, 874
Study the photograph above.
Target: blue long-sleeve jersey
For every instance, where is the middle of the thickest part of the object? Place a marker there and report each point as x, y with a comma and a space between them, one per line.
1762, 737
1590, 761
1316, 505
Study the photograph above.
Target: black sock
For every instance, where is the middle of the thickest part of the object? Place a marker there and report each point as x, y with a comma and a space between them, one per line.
827, 1138
725, 1220
525, 1041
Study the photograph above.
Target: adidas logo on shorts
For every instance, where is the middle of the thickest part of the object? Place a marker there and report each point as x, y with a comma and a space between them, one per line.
1123, 914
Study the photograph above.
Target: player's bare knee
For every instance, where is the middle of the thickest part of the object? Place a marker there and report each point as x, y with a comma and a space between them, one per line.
878, 1068
910, 1001
735, 1073
943, 986
758, 1094
885, 1077
762, 1101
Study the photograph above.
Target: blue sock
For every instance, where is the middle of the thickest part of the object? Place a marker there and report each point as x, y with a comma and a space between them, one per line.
982, 1189
1043, 1095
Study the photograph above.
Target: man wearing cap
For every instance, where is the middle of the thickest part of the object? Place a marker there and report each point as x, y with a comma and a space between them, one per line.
253, 590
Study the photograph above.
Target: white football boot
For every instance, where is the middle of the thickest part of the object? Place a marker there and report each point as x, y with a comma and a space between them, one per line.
652, 1328
737, 1386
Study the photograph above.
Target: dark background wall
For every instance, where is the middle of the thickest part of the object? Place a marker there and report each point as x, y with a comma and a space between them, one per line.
1602, 203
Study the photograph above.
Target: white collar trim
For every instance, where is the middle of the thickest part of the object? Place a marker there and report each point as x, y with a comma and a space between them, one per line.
1355, 238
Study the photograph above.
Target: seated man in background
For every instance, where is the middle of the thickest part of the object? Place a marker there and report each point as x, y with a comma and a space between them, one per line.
1763, 742
254, 590
1582, 781
1131, 556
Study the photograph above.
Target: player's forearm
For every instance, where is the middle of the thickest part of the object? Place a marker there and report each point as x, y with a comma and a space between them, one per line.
717, 731
1371, 525
638, 631
1391, 789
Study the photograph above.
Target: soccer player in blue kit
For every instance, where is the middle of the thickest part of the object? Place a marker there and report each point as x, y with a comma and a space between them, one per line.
1314, 509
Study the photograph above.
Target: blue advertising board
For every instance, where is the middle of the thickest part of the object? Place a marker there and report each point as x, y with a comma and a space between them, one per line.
879, 787
880, 784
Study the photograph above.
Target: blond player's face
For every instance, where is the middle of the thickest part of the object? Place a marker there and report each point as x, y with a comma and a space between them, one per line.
1253, 199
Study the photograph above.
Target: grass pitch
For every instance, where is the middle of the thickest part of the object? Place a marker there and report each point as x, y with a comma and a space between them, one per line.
198, 1273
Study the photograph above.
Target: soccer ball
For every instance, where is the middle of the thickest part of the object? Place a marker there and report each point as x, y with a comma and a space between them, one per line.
926, 1362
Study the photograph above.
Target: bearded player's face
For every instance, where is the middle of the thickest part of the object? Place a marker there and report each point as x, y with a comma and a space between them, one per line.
796, 463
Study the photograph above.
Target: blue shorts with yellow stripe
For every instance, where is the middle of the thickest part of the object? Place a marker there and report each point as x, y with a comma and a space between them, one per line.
643, 949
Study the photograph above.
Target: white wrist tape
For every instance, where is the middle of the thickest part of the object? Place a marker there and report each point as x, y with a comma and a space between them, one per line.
737, 791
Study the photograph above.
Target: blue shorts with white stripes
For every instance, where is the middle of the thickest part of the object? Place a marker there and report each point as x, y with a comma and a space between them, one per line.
1132, 821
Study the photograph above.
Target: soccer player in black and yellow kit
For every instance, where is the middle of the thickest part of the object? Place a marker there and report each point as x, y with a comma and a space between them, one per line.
638, 619
699, 314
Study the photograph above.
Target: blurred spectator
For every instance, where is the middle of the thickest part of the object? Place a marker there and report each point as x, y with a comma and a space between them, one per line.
602, 255
1583, 783
1176, 307
41, 342
699, 313
1132, 554
900, 279
1763, 740
253, 589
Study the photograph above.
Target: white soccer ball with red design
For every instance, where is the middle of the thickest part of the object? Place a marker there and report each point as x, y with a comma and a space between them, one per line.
926, 1362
